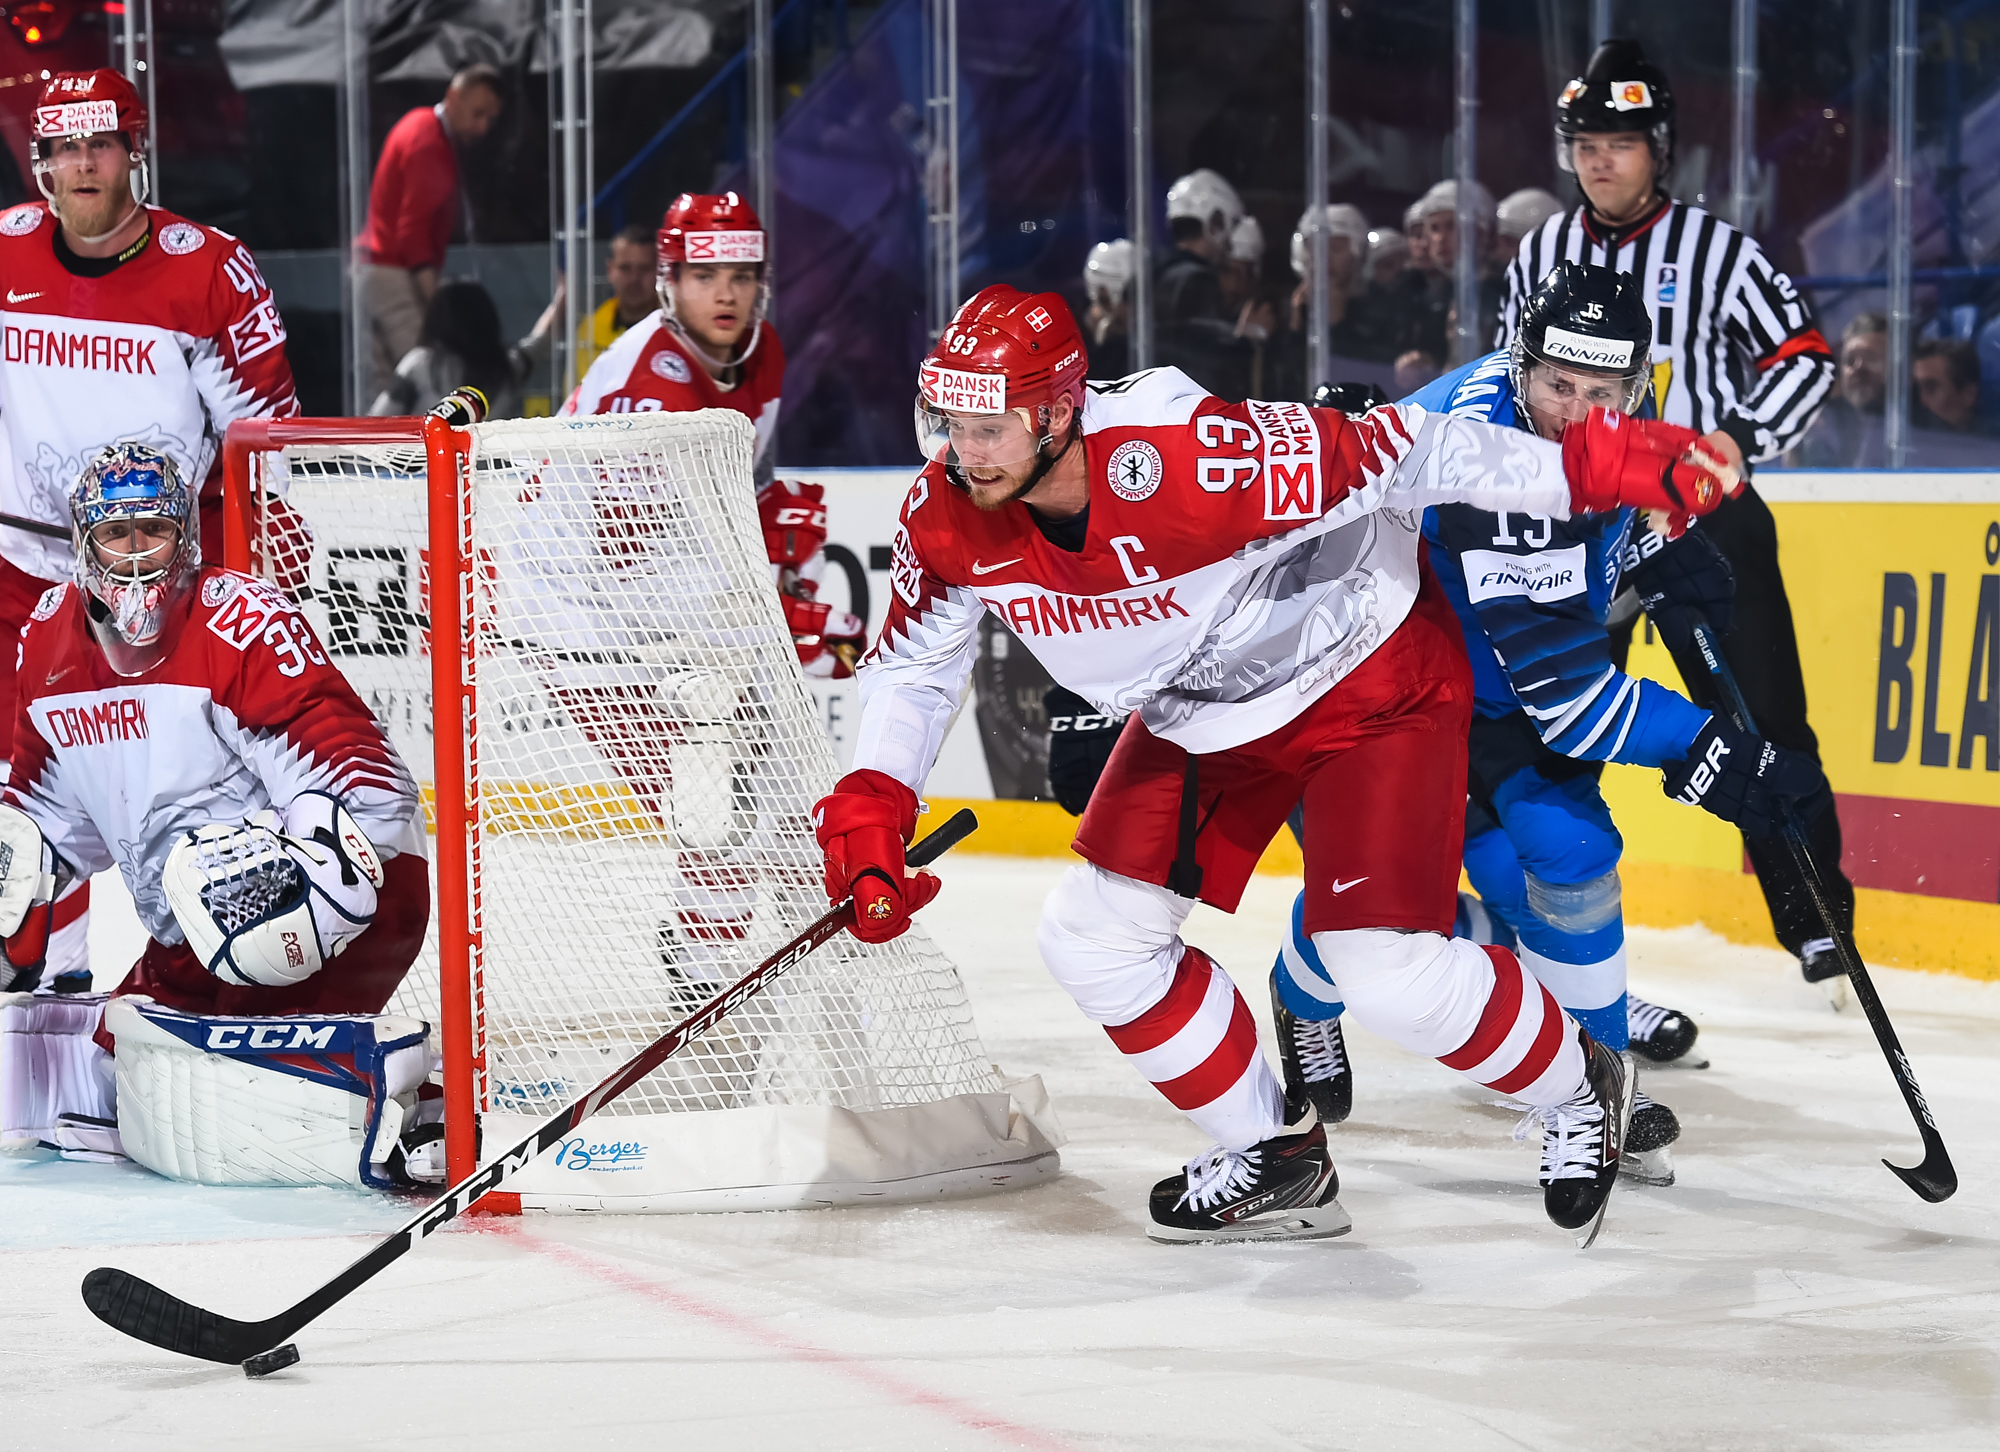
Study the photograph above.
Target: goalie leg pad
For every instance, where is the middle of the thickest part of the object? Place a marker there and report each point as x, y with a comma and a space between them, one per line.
49, 1067
311, 1100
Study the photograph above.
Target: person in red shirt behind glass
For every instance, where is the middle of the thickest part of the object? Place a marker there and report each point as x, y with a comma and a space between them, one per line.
412, 205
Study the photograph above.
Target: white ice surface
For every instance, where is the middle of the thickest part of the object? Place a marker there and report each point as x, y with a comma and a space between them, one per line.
1788, 1293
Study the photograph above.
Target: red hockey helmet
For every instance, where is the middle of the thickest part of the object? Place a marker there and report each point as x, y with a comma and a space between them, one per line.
76, 104
1006, 353
703, 228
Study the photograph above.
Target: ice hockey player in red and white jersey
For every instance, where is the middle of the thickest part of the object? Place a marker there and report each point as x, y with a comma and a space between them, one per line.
711, 346
182, 724
1246, 579
121, 321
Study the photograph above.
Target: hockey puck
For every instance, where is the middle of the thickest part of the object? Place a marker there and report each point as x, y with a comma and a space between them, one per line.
276, 1359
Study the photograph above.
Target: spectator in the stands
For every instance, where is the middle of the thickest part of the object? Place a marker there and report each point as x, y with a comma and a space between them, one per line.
1196, 330
1946, 373
1107, 280
1414, 369
633, 272
1848, 432
1518, 214
460, 344
414, 205
1439, 209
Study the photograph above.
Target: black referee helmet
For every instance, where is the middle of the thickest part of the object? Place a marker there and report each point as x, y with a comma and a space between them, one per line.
1620, 90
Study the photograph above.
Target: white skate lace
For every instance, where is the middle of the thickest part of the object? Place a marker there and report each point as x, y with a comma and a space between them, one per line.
1643, 1019
1572, 1137
1320, 1054
1639, 1102
1216, 1175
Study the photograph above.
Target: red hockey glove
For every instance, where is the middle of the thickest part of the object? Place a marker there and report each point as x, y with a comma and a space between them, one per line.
863, 828
1613, 460
828, 641
793, 516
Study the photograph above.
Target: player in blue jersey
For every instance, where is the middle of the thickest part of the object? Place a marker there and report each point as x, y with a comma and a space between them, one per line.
1532, 594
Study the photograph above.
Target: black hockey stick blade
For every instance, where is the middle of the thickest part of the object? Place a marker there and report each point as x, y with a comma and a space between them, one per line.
1935, 1179
145, 1312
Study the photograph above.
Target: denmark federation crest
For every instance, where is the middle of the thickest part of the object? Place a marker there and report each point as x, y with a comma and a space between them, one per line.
180, 238
215, 589
21, 221
669, 364
1134, 470
50, 602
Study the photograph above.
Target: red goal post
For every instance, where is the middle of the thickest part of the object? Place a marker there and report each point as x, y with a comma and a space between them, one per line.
446, 450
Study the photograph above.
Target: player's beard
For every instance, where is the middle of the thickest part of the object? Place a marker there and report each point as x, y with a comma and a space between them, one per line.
1013, 489
95, 216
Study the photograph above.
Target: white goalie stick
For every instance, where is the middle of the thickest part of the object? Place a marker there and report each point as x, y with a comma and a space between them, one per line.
144, 1311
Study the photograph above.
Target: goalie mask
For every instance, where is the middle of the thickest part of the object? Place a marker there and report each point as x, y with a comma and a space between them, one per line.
1585, 340
704, 230
77, 105
138, 550
986, 394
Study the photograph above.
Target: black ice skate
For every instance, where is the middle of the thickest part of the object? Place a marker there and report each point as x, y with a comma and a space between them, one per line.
1581, 1141
1649, 1153
1281, 1189
1663, 1035
1314, 1056
1819, 961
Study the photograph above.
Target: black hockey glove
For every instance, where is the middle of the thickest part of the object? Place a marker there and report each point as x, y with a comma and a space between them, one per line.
1747, 780
1080, 742
1682, 583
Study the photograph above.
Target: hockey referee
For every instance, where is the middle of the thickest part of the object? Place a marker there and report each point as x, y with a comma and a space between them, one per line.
1736, 354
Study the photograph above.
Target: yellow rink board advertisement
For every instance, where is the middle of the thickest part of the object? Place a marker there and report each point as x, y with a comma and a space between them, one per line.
1894, 582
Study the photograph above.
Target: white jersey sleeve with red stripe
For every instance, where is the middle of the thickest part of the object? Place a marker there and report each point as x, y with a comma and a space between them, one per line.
651, 369
244, 712
1240, 559
170, 347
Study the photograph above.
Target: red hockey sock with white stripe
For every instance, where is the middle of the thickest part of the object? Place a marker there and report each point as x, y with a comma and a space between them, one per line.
1198, 1046
1524, 1045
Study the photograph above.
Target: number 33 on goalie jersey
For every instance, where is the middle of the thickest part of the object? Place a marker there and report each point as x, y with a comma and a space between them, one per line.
244, 712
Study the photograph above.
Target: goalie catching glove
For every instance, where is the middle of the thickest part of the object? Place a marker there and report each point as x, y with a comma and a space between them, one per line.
863, 828
270, 901
31, 877
1613, 461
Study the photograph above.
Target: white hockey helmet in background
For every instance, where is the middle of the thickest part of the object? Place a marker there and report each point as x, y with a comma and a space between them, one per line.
1522, 212
1107, 271
1444, 198
1340, 220
1246, 241
1204, 195
1386, 244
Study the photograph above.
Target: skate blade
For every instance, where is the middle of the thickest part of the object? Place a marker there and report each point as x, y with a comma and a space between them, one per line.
1648, 1167
1313, 1222
1689, 1060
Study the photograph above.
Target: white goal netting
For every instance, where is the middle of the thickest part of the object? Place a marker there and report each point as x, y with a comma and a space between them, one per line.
643, 755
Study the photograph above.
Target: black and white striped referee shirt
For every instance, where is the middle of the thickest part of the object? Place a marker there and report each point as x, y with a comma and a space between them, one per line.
1735, 346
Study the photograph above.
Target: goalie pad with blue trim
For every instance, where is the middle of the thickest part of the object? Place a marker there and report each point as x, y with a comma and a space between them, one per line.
313, 1099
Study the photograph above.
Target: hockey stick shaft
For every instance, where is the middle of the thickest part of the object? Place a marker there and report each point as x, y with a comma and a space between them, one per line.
1935, 1179
37, 526
142, 1310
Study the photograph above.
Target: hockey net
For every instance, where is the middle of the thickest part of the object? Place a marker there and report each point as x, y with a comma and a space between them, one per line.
616, 700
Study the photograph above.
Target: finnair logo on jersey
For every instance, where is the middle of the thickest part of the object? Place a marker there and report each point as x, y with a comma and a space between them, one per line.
1564, 346
53, 348
116, 720
1550, 575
